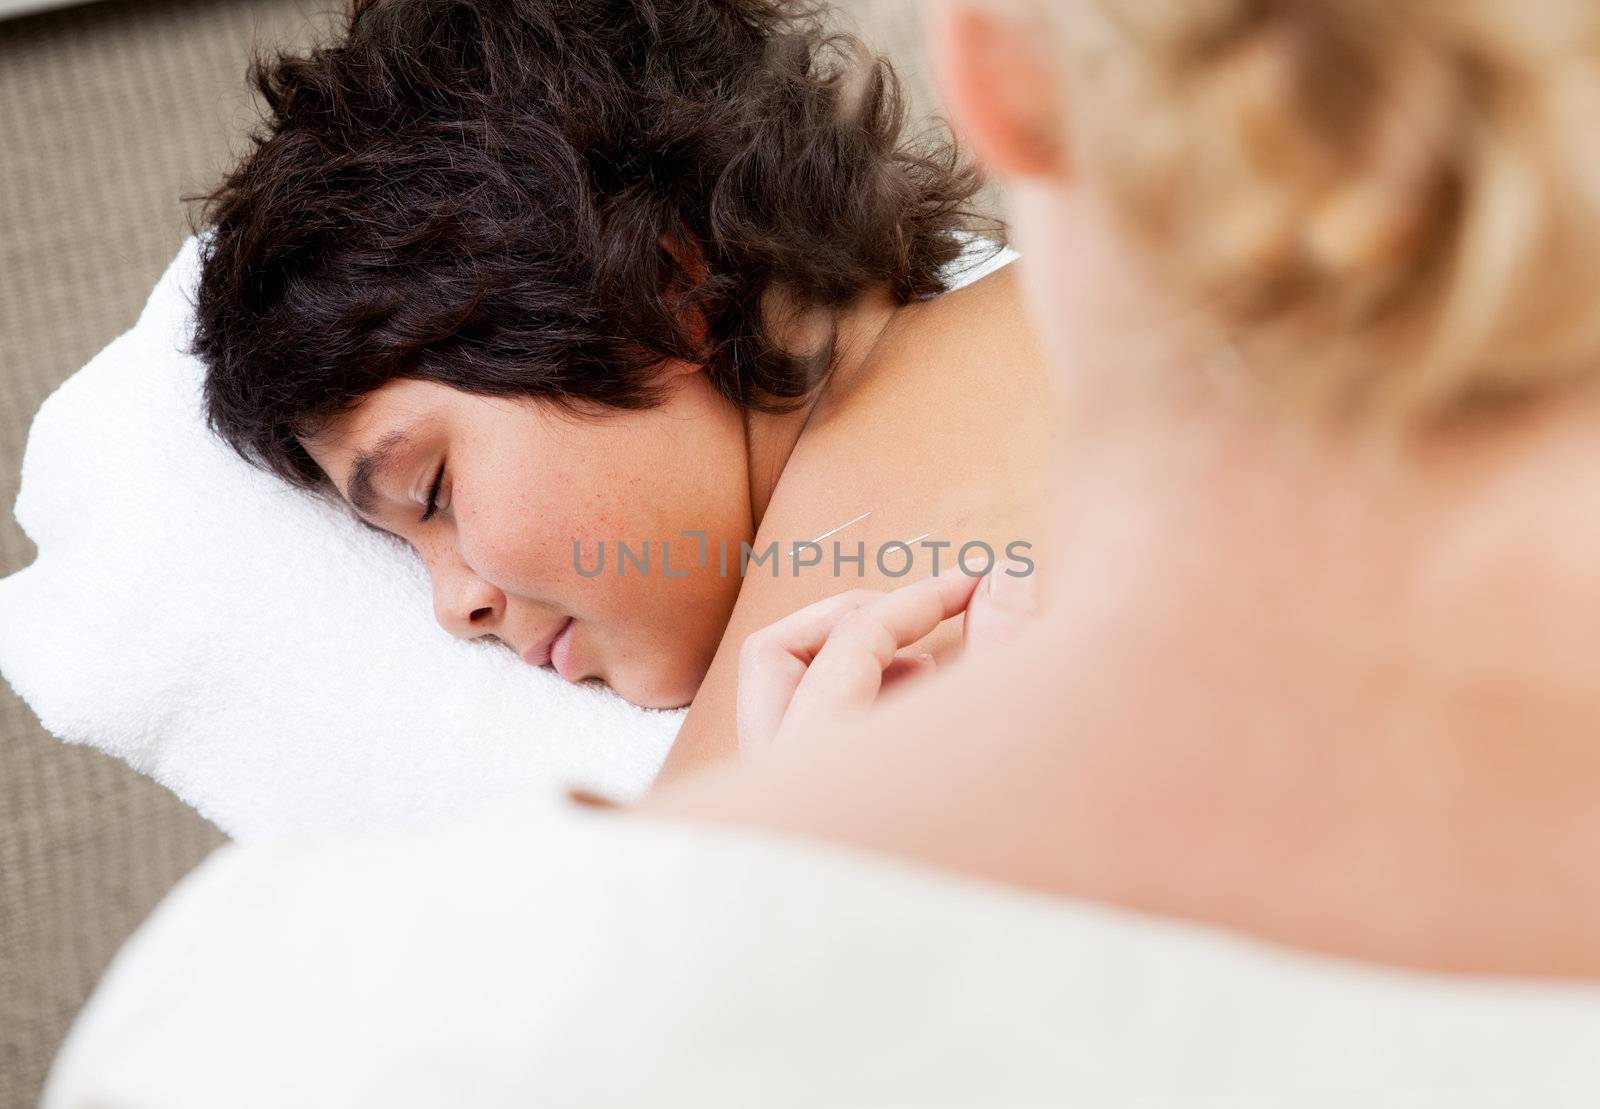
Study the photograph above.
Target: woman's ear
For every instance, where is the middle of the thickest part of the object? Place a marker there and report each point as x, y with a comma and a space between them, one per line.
1001, 83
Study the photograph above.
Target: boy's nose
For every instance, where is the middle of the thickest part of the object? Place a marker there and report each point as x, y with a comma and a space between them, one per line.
465, 605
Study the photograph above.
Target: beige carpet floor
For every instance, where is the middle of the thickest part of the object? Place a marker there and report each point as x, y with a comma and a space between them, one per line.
108, 113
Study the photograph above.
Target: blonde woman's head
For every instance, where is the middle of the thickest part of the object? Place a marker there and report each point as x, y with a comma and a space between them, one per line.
1394, 205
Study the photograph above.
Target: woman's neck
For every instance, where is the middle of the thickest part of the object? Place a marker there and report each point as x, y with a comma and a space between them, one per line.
1446, 582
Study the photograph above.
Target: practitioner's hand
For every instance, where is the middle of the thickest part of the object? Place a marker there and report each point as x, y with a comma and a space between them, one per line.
832, 659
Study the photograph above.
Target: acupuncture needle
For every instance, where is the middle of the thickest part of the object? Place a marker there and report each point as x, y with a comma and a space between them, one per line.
857, 520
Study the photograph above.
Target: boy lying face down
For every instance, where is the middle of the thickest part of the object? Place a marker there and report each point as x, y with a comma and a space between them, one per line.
527, 282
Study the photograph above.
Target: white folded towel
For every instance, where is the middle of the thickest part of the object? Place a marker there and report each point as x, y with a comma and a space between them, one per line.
272, 662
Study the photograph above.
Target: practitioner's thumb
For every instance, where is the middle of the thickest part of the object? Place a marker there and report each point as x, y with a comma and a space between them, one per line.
1002, 605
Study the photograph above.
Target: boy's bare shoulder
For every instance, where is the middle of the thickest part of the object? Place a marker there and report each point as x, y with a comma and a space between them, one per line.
959, 395
944, 434
976, 336
947, 431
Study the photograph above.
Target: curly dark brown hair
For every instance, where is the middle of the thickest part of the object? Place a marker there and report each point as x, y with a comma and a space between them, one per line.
476, 192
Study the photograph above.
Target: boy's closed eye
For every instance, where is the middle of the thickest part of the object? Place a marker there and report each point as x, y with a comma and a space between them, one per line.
433, 495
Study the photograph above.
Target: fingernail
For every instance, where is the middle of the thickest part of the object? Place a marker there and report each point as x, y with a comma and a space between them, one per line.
1011, 585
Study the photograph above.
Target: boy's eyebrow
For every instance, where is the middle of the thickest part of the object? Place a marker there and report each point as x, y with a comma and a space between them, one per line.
369, 464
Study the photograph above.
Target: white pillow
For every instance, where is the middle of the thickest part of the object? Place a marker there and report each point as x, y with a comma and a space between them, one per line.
261, 654
274, 663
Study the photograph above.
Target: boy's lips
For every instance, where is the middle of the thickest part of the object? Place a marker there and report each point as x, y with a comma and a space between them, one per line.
561, 653
538, 654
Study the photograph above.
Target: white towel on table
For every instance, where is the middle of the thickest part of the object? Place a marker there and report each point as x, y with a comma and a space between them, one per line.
261, 654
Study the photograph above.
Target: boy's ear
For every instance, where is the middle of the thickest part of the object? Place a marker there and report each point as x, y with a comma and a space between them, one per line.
1001, 85
685, 250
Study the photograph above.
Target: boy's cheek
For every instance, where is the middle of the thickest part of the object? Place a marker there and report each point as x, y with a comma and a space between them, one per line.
655, 650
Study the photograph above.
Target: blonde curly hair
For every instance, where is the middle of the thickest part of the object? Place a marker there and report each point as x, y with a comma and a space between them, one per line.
1403, 196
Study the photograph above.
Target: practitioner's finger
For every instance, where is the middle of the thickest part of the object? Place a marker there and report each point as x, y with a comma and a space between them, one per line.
803, 632
773, 659
906, 669
896, 619
846, 675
